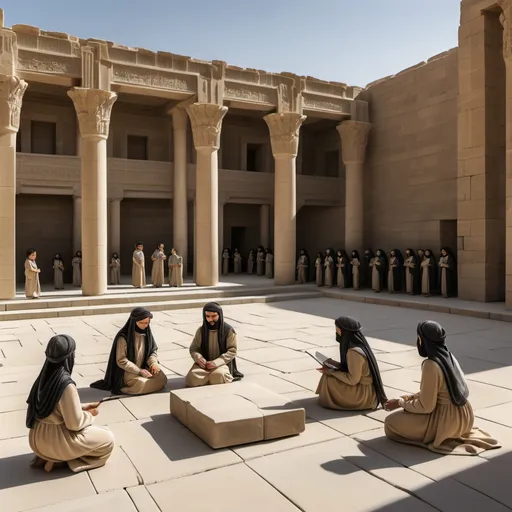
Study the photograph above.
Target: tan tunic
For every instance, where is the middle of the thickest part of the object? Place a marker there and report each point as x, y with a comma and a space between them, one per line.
269, 265
138, 269
349, 391
302, 269
198, 376
260, 263
32, 285
175, 270
157, 270
328, 264
76, 262
237, 259
250, 264
340, 275
58, 275
355, 273
444, 265
393, 263
375, 276
135, 384
409, 283
318, 270
67, 435
432, 421
115, 271
425, 276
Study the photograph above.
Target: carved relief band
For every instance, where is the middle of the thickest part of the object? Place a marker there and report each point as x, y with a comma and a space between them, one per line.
12, 90
206, 121
284, 132
354, 138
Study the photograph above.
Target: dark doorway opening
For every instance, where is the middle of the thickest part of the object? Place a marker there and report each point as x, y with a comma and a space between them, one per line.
238, 242
253, 157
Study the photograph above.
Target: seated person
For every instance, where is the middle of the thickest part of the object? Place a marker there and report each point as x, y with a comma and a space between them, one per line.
61, 428
439, 417
213, 350
356, 384
132, 367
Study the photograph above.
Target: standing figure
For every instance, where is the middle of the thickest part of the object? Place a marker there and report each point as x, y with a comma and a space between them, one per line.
302, 267
329, 266
139, 266
115, 269
447, 273
61, 428
412, 273
421, 254
395, 271
319, 269
340, 267
157, 271
76, 262
269, 263
356, 267
260, 261
226, 256
58, 272
250, 262
237, 262
347, 269
175, 269
367, 270
32, 284
428, 274
379, 271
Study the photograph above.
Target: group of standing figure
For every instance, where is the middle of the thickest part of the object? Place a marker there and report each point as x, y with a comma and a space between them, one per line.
260, 261
418, 273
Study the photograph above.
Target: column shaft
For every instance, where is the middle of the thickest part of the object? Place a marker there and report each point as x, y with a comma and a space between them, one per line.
77, 223
265, 225
115, 226
221, 233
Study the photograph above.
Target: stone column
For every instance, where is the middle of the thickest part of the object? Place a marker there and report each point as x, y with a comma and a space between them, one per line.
115, 226
284, 137
265, 225
206, 121
179, 213
77, 223
354, 137
93, 107
12, 90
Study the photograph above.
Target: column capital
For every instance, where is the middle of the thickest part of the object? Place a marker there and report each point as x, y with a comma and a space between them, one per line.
12, 90
284, 133
206, 121
354, 138
93, 108
506, 21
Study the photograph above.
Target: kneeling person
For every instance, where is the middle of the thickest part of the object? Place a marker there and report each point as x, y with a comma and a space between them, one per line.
213, 350
133, 367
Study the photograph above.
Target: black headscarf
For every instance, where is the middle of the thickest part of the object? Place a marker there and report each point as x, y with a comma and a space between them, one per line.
223, 329
433, 346
352, 337
54, 378
114, 375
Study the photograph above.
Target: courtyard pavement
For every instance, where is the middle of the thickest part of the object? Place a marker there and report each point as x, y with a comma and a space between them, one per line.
342, 460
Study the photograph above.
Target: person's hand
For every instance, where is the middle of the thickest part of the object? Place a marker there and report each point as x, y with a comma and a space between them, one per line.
93, 405
324, 370
94, 412
391, 405
210, 365
201, 362
146, 374
155, 369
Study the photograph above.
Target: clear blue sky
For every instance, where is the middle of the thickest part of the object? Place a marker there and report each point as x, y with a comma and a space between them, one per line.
351, 41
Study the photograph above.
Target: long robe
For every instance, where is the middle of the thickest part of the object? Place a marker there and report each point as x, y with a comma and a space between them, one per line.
356, 266
67, 435
32, 284
432, 421
237, 260
260, 263
138, 269
76, 262
375, 276
412, 272
250, 263
349, 391
269, 265
175, 270
225, 263
115, 271
426, 276
302, 268
58, 274
318, 272
157, 270
198, 376
329, 270
447, 276
135, 384
394, 275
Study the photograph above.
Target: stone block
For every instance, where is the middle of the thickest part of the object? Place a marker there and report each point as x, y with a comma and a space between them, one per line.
236, 414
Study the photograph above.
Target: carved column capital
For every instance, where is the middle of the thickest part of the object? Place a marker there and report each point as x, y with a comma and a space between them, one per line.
284, 132
93, 108
12, 90
506, 21
206, 121
354, 138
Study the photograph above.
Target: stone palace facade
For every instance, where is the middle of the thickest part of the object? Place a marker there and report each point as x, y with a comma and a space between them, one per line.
102, 145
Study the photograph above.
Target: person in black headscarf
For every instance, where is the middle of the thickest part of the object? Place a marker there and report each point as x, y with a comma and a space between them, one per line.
396, 271
439, 417
213, 350
447, 275
367, 269
60, 427
412, 272
356, 383
379, 271
133, 367
303, 267
355, 265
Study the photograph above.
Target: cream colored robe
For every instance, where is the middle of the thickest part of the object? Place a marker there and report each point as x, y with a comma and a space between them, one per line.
135, 384
225, 263
67, 435
58, 275
432, 421
328, 265
175, 270
349, 391
269, 265
32, 284
375, 275
157, 270
302, 269
250, 263
76, 262
355, 273
425, 276
237, 259
198, 376
340, 277
318, 271
444, 265
115, 271
138, 269
393, 263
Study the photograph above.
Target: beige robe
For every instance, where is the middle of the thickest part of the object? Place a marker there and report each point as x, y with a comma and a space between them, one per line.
375, 275
260, 263
76, 262
269, 265
198, 376
237, 259
431, 420
425, 276
175, 270
115, 271
355, 273
393, 263
67, 435
302, 268
58, 275
318, 271
328, 264
225, 263
157, 269
409, 282
135, 384
444, 265
138, 269
250, 264
349, 391
32, 285
340, 276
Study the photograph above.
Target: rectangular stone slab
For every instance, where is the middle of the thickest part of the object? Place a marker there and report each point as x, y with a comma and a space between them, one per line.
236, 414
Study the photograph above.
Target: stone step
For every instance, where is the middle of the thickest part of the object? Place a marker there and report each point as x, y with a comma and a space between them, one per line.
160, 305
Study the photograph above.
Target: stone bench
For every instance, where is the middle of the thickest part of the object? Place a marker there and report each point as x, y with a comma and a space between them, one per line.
238, 413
